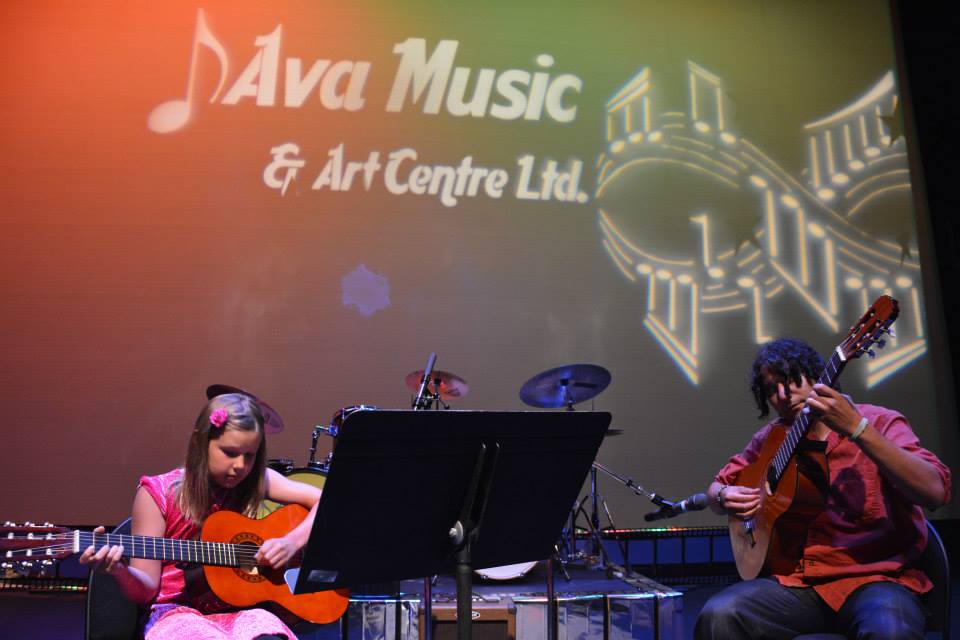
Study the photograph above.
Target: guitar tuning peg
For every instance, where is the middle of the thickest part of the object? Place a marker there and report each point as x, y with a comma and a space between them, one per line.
891, 332
871, 354
881, 343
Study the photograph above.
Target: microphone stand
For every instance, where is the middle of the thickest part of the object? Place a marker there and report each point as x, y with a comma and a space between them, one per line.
658, 500
422, 401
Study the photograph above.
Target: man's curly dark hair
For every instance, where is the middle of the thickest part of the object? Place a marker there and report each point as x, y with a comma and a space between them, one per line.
787, 360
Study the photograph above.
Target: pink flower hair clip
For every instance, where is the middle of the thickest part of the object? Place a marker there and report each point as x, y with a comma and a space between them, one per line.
219, 418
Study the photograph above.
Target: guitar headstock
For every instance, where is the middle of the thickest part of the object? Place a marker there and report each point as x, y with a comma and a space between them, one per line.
870, 329
22, 545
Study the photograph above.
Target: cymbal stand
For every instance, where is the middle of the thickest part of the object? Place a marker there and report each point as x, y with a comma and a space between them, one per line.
430, 400
435, 399
568, 397
568, 536
593, 518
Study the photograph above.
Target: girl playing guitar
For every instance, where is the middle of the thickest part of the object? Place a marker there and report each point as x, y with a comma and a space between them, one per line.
225, 470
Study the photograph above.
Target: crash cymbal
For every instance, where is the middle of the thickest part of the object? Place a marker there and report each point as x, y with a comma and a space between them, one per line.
612, 432
451, 386
565, 386
273, 423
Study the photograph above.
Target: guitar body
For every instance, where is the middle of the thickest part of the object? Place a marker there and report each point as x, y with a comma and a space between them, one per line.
753, 539
249, 585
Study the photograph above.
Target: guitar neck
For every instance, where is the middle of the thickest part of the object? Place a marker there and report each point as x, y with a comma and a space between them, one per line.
169, 549
801, 425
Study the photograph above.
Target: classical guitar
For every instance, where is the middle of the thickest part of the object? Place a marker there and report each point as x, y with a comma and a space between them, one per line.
758, 544
228, 543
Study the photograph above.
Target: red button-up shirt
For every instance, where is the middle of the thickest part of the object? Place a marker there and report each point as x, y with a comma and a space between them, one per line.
867, 532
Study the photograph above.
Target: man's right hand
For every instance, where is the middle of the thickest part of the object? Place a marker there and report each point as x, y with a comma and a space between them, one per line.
738, 501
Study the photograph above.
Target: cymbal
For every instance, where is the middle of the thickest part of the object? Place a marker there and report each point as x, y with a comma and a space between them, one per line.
272, 422
612, 432
451, 386
565, 386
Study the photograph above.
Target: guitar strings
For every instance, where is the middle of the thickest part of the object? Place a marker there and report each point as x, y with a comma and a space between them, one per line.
64, 542
243, 553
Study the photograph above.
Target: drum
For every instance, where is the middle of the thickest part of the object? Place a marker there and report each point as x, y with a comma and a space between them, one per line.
507, 571
336, 423
281, 465
338, 418
310, 476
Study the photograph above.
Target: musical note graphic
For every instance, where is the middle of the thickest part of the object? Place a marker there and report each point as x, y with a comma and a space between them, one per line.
749, 233
175, 114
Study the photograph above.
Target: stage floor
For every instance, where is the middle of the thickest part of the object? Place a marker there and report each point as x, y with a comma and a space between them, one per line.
48, 616
589, 603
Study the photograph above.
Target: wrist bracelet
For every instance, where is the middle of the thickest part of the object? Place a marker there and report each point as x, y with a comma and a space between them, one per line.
720, 494
859, 430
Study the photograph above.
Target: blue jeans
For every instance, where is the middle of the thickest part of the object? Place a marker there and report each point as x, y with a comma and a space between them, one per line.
764, 609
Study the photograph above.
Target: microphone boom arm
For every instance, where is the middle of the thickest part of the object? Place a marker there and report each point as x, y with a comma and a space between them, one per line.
633, 486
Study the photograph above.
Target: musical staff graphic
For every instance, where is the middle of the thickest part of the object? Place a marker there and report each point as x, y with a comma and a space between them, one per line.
824, 238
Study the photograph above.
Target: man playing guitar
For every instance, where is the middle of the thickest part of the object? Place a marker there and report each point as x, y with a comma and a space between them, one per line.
839, 560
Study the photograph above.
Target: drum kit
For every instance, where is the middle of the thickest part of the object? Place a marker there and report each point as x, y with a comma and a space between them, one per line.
561, 387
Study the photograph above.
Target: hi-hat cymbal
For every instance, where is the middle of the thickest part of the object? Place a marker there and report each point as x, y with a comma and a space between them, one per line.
451, 386
272, 422
565, 386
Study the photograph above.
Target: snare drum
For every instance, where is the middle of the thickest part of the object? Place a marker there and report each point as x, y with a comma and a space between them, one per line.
309, 476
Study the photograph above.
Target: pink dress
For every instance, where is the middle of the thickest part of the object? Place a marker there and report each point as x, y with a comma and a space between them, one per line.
173, 616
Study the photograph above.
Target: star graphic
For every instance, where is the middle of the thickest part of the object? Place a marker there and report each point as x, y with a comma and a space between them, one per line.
903, 239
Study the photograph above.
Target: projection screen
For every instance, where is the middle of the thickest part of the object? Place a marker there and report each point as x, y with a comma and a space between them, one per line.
305, 199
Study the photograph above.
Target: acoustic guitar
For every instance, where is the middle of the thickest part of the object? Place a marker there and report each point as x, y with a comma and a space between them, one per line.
758, 544
226, 549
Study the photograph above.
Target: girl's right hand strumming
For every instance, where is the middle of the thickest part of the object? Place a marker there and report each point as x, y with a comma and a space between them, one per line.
106, 559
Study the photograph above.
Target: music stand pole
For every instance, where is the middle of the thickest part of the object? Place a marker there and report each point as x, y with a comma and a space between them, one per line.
427, 608
553, 612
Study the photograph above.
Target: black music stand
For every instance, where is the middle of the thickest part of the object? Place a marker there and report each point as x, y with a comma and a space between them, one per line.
419, 493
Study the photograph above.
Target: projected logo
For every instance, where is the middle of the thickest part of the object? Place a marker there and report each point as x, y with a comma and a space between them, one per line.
709, 225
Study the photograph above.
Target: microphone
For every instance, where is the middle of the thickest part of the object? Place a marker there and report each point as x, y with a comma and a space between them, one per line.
427, 372
696, 502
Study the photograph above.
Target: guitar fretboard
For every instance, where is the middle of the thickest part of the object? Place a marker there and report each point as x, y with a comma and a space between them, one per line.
801, 425
221, 554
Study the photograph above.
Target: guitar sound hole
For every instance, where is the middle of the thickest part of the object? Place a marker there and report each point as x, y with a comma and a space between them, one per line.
249, 572
771, 481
